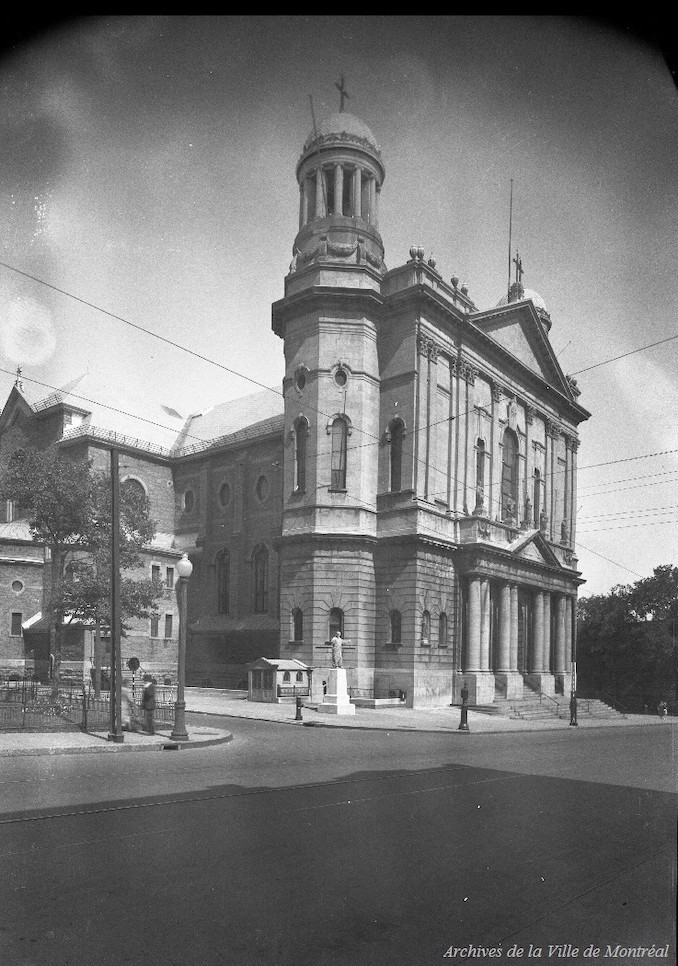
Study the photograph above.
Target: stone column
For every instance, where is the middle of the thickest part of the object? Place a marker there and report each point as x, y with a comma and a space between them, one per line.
357, 179
537, 632
559, 656
338, 189
319, 194
473, 643
303, 203
505, 628
546, 649
514, 627
567, 656
485, 624
375, 216
372, 194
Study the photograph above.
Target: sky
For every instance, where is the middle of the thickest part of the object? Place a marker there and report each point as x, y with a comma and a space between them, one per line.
148, 170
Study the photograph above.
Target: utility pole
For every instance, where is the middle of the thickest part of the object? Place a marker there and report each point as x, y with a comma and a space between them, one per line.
115, 733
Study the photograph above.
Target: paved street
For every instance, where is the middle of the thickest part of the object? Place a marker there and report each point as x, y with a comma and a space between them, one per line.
333, 846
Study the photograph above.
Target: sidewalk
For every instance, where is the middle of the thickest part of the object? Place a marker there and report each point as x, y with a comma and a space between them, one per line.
232, 704
445, 718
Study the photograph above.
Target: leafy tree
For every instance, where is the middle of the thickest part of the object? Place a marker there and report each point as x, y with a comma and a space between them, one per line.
626, 639
69, 507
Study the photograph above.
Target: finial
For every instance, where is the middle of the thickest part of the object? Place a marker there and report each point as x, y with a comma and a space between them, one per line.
517, 261
343, 93
17, 382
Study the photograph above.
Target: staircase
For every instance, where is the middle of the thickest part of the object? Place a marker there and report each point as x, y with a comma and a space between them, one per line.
534, 706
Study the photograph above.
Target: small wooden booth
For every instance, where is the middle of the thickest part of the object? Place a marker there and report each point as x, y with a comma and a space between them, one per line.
278, 680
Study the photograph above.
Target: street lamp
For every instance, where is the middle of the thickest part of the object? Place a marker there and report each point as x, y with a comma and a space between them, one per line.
184, 569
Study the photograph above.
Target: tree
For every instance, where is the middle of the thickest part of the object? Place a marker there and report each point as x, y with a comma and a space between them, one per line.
69, 507
626, 639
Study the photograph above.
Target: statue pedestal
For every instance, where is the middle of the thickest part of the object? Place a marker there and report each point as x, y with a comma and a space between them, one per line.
336, 701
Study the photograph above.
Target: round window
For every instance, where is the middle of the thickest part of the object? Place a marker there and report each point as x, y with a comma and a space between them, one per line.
262, 488
17, 586
224, 494
300, 379
189, 501
340, 377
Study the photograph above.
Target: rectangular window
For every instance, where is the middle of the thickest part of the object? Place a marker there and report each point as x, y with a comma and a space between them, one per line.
154, 625
169, 578
155, 572
16, 624
10, 511
168, 626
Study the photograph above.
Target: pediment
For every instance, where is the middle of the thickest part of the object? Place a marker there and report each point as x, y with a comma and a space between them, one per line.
532, 546
517, 329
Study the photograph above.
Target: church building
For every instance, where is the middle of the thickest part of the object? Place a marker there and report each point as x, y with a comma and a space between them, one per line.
414, 485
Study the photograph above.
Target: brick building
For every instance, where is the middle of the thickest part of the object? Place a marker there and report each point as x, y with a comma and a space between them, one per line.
415, 485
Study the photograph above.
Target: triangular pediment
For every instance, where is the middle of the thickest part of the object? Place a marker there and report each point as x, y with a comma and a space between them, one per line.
518, 330
15, 407
532, 546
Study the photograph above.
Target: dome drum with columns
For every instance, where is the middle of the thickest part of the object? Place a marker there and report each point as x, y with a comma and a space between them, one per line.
340, 174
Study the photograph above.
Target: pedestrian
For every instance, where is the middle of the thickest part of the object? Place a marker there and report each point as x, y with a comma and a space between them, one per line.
336, 650
127, 710
148, 705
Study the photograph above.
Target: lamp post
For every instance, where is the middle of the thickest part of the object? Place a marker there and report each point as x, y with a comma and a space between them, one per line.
184, 570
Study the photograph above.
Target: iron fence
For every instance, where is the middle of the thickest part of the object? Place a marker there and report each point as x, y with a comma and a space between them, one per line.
27, 705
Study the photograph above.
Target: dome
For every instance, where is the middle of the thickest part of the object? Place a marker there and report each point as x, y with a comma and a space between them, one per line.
342, 125
536, 299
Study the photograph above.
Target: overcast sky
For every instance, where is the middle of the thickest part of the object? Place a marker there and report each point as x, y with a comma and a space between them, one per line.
148, 168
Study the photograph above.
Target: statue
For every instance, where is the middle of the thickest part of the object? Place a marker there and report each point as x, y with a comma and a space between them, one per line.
336, 650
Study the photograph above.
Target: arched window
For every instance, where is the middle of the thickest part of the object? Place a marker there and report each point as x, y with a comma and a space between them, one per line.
134, 488
260, 566
286, 677
509, 477
223, 581
336, 622
442, 629
536, 496
297, 624
396, 430
300, 675
425, 627
396, 627
300, 438
339, 442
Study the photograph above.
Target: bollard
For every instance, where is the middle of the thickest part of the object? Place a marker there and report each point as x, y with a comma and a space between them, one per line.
298, 715
463, 724
573, 709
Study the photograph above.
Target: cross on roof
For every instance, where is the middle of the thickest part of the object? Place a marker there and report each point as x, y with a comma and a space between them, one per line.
343, 93
519, 268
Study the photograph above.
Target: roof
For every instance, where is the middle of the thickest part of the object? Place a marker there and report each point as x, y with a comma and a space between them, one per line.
342, 123
114, 413
280, 664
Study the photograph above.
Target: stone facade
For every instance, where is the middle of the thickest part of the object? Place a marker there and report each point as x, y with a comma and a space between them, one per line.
414, 485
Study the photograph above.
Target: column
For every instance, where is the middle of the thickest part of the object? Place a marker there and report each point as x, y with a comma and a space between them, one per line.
375, 216
473, 648
338, 189
357, 178
537, 631
485, 624
303, 204
514, 627
319, 194
568, 635
504, 663
559, 656
372, 194
546, 648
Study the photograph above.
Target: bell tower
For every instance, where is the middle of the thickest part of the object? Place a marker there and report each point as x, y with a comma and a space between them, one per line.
328, 321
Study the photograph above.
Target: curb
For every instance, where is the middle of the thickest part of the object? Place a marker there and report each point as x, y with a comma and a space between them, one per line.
107, 747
